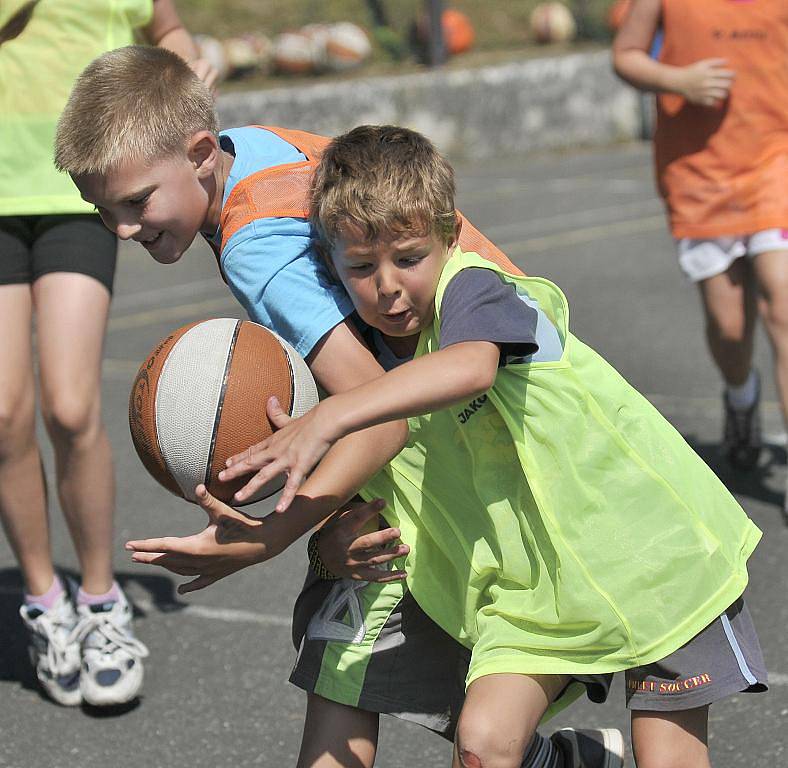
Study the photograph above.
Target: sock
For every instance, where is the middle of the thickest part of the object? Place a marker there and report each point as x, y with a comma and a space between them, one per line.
741, 398
85, 598
49, 598
542, 753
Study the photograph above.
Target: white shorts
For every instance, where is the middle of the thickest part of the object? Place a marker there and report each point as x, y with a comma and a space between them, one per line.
700, 259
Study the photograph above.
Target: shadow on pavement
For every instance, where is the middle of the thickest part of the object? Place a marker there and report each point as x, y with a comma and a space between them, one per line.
759, 483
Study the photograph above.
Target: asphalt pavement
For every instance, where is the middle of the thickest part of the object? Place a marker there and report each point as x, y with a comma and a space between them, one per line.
216, 691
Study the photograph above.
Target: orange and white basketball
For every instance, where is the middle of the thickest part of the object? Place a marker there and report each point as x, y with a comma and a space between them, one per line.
347, 46
200, 397
247, 53
552, 23
212, 51
295, 53
458, 32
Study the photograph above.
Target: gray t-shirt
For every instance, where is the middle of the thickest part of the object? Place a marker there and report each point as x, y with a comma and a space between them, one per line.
479, 306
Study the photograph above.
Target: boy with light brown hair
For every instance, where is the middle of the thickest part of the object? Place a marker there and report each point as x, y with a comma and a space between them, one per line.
139, 138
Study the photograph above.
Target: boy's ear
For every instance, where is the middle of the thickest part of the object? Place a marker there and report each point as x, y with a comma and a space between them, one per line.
203, 153
455, 238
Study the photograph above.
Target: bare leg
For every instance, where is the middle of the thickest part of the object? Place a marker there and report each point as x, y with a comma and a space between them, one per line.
499, 718
771, 271
71, 312
729, 306
671, 739
337, 736
23, 508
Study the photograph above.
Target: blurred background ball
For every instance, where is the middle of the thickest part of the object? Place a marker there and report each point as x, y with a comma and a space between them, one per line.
295, 53
347, 46
201, 395
552, 23
212, 50
247, 53
458, 32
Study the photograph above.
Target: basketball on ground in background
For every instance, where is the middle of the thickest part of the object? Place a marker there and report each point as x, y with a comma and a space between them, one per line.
200, 397
212, 50
296, 53
458, 32
347, 45
247, 53
552, 23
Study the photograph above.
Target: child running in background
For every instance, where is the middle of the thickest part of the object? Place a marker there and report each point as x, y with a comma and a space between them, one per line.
139, 136
57, 266
721, 154
560, 527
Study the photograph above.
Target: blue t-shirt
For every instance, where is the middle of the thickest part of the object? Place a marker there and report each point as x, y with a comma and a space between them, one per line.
270, 264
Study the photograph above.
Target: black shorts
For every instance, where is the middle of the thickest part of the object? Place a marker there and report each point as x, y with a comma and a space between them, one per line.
722, 659
32, 246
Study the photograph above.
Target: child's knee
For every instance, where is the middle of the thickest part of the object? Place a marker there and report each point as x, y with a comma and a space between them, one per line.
70, 417
17, 423
480, 744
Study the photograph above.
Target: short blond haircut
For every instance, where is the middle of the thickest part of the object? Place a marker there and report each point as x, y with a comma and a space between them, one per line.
134, 104
382, 178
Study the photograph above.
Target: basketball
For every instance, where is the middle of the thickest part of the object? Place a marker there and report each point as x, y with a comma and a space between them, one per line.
247, 53
212, 51
200, 397
458, 32
295, 53
552, 23
347, 46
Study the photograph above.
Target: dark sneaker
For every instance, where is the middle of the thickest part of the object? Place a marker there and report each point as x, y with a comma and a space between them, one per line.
742, 438
590, 748
54, 649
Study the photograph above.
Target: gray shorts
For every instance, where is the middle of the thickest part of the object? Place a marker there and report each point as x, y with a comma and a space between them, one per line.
723, 659
371, 646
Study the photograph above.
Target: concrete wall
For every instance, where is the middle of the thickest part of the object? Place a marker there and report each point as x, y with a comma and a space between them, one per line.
560, 101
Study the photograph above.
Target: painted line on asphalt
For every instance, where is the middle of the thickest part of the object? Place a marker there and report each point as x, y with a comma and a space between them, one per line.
499, 232
171, 313
234, 615
583, 235
154, 296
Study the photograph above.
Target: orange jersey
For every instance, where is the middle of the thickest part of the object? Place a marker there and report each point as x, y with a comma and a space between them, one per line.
284, 191
724, 171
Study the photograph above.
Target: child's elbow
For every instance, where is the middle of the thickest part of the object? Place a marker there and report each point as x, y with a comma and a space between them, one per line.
485, 380
400, 434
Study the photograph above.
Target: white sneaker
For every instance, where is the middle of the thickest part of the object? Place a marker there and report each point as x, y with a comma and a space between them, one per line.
54, 649
111, 655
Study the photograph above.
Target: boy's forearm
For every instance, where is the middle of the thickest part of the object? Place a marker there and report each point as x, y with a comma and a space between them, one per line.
638, 69
429, 383
341, 473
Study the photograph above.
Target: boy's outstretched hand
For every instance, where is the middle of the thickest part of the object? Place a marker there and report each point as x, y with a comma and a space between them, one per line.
294, 449
348, 551
225, 546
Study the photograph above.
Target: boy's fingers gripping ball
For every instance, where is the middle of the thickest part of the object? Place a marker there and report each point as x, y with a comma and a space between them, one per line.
200, 397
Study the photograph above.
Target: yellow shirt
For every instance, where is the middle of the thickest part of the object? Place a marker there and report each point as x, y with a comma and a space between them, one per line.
37, 71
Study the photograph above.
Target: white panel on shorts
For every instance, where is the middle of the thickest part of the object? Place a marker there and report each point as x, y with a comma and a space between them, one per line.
190, 386
701, 258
